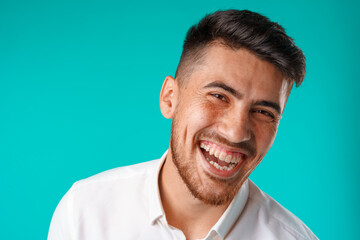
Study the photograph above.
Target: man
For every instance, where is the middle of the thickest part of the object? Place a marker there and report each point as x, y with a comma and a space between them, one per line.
231, 86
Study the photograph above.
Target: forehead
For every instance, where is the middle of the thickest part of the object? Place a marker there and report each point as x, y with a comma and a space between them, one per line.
241, 70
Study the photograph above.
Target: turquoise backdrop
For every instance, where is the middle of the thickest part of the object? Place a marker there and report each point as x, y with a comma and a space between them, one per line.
79, 87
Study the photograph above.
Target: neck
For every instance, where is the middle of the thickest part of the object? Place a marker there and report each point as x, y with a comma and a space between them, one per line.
183, 211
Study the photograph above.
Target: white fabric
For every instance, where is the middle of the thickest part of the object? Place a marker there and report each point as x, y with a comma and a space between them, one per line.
124, 203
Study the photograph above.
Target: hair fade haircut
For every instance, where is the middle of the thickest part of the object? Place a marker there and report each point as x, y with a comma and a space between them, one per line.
243, 29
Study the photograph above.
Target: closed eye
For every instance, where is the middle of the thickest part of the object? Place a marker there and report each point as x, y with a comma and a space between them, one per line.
219, 96
264, 115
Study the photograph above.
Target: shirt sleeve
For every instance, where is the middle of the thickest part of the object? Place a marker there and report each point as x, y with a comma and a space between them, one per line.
62, 226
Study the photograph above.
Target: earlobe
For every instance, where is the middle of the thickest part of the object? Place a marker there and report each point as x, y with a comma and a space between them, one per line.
168, 97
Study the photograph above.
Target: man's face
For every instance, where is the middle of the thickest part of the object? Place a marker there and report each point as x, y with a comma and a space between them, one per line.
225, 120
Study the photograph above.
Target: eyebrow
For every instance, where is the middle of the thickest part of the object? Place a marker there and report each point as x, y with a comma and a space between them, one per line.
225, 87
236, 94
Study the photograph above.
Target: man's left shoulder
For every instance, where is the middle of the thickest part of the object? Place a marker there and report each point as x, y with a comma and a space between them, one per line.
275, 217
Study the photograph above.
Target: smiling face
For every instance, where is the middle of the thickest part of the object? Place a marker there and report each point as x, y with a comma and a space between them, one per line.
225, 118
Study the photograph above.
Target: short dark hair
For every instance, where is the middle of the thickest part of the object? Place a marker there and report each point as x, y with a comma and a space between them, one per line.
243, 29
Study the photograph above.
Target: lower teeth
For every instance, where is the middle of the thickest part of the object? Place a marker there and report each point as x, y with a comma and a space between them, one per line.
216, 165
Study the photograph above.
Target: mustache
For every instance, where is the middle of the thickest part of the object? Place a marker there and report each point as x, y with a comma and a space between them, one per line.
245, 146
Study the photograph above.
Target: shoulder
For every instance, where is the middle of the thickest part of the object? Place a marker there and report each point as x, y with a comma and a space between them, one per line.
115, 182
136, 171
275, 217
93, 205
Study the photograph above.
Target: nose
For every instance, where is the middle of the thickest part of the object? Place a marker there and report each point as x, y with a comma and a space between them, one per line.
235, 126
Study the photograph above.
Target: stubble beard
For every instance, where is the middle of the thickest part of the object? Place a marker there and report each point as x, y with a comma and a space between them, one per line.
198, 189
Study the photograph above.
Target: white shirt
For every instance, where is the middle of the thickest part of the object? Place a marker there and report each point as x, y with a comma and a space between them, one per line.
124, 203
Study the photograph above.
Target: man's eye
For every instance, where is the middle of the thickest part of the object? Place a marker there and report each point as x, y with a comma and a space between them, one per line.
263, 114
221, 97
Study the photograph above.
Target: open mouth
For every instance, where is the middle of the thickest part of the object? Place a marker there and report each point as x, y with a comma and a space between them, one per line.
223, 162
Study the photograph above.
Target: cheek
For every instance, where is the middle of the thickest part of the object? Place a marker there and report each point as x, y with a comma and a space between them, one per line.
265, 136
193, 116
208, 113
200, 113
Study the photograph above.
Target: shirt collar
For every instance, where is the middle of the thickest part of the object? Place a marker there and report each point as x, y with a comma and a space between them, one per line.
232, 212
155, 207
225, 222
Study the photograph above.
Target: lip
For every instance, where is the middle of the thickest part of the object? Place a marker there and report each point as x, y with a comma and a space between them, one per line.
221, 174
227, 148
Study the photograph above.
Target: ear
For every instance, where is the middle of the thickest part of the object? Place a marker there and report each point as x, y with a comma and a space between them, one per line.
168, 97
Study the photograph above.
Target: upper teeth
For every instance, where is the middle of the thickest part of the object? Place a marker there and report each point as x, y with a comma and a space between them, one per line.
229, 157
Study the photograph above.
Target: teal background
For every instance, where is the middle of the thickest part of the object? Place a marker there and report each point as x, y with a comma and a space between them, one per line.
79, 87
